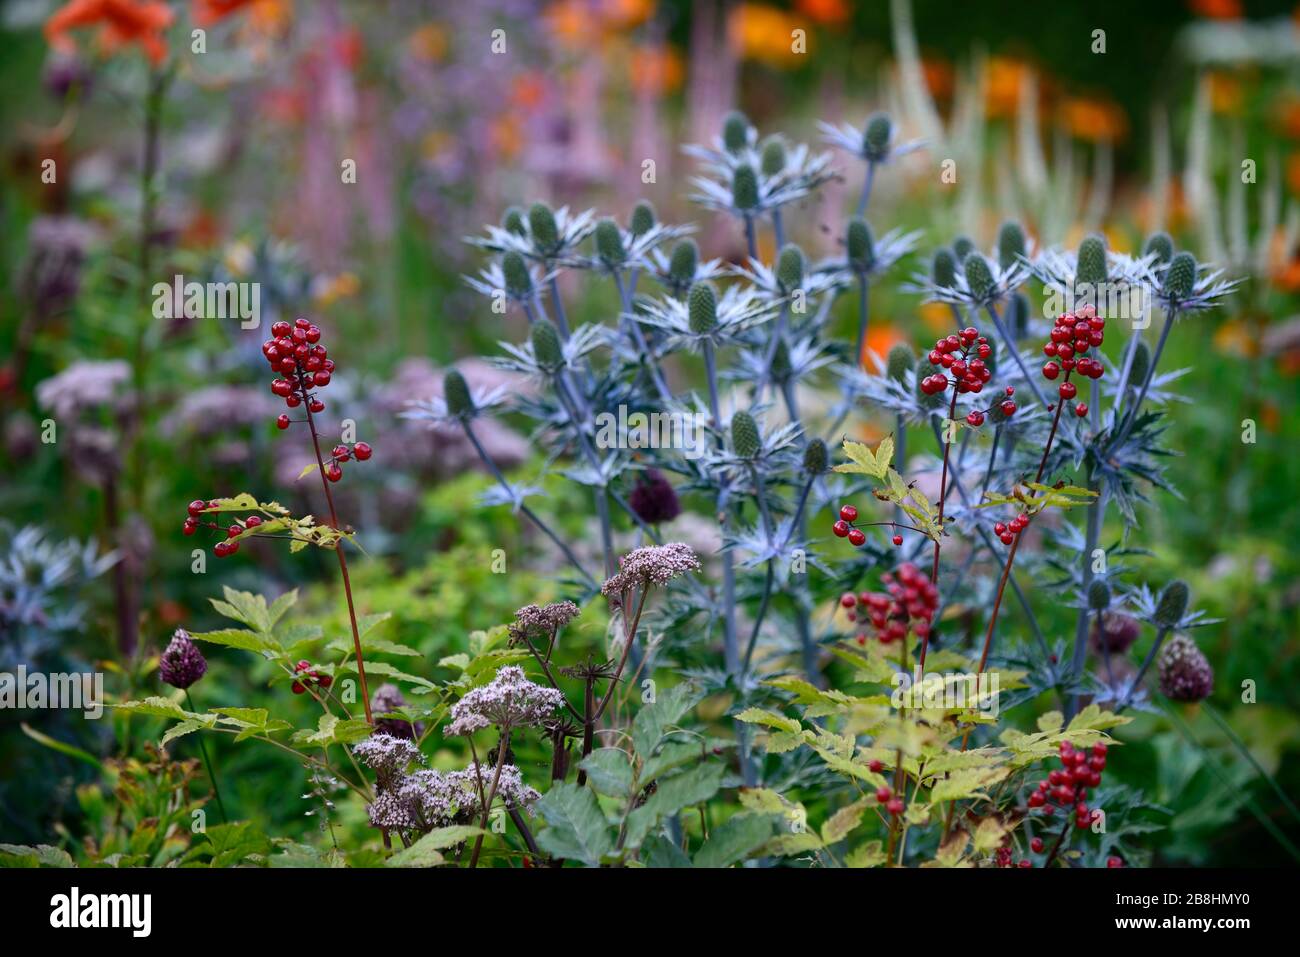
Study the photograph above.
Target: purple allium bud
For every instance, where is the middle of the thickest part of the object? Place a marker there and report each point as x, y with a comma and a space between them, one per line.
388, 698
652, 565
654, 499
181, 664
1185, 675
1119, 632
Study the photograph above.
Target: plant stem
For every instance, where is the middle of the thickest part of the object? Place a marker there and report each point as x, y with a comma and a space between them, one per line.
1161, 634
207, 763
864, 313
865, 196
1015, 354
1131, 418
503, 746
751, 240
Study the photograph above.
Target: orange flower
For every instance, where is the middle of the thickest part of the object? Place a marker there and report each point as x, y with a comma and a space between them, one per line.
880, 339
825, 11
1225, 93
120, 22
657, 69
760, 32
1217, 9
268, 14
1096, 121
1003, 77
938, 77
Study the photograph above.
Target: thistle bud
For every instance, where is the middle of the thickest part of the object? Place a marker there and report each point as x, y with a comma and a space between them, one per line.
901, 361
781, 368
541, 223
1180, 277
683, 263
1185, 674
1137, 372
814, 457
963, 246
1172, 604
1092, 261
519, 283
1018, 315
876, 137
978, 275
1161, 246
512, 221
702, 308
1098, 594
789, 268
1011, 244
773, 156
735, 131
455, 390
546, 345
643, 218
861, 245
609, 243
744, 187
943, 268
745, 440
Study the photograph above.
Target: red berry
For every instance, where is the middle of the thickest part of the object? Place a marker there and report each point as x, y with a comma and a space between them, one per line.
1036, 845
232, 531
316, 405
848, 599
848, 513
1081, 409
196, 506
326, 681
840, 528
297, 687
1007, 538
189, 526
898, 539
999, 528
856, 538
313, 334
1113, 862
281, 387
222, 549
302, 322
282, 421
341, 453
894, 807
321, 378
362, 451
876, 767
1008, 408
253, 521
1024, 862
281, 329
975, 419
883, 794
333, 473
1067, 390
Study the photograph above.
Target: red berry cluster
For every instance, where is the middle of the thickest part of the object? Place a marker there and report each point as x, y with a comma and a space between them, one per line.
1003, 856
1007, 531
954, 353
1072, 336
909, 604
341, 453
1068, 786
294, 351
845, 527
892, 802
227, 546
307, 675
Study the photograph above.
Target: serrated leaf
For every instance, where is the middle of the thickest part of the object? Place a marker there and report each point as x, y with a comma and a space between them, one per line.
787, 844
865, 462
652, 721
734, 840
1051, 721
425, 851
182, 728
842, 823
770, 719
871, 854
609, 772
240, 638
578, 830
692, 786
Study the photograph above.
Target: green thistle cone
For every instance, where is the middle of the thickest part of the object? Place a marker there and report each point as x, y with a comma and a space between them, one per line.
455, 390
541, 223
609, 243
876, 137
735, 131
744, 187
702, 308
683, 262
1011, 244
814, 457
773, 156
1161, 245
1172, 604
978, 275
643, 218
1137, 372
1098, 595
745, 440
512, 221
1180, 277
901, 361
789, 268
546, 345
519, 283
781, 368
943, 268
1092, 261
861, 244
962, 247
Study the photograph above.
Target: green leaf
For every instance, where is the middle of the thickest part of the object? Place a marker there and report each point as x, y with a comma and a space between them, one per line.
54, 744
155, 707
693, 786
244, 607
237, 638
844, 821
653, 720
609, 772
578, 829
42, 855
245, 717
425, 851
331, 729
229, 844
658, 851
863, 461
734, 840
282, 605
181, 729
770, 719
871, 854
670, 756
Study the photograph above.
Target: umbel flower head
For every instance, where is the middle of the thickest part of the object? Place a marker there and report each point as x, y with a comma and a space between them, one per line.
386, 754
510, 700
1185, 674
651, 565
542, 621
181, 663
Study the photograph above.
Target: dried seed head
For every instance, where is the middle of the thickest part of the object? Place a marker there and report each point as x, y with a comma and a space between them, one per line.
1137, 373
875, 139
735, 131
1092, 260
1185, 674
512, 221
702, 308
901, 362
684, 260
643, 218
609, 243
455, 390
962, 247
1011, 244
814, 457
745, 440
1098, 594
943, 268
744, 187
978, 275
546, 345
773, 156
861, 245
1161, 245
1172, 604
541, 222
789, 268
1180, 276
518, 281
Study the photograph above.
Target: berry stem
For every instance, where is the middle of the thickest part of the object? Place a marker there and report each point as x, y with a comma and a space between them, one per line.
1015, 353
943, 488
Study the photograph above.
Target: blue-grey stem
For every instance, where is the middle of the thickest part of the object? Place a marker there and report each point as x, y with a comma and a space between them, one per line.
864, 310
778, 229
1126, 370
1079, 654
1015, 353
561, 319
1131, 418
865, 197
751, 240
638, 337
1161, 634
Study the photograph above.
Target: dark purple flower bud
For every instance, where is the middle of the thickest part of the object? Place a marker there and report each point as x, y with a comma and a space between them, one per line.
181, 664
1118, 631
387, 699
653, 499
1185, 674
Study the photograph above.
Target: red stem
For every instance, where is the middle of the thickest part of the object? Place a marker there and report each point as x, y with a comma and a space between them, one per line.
943, 497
